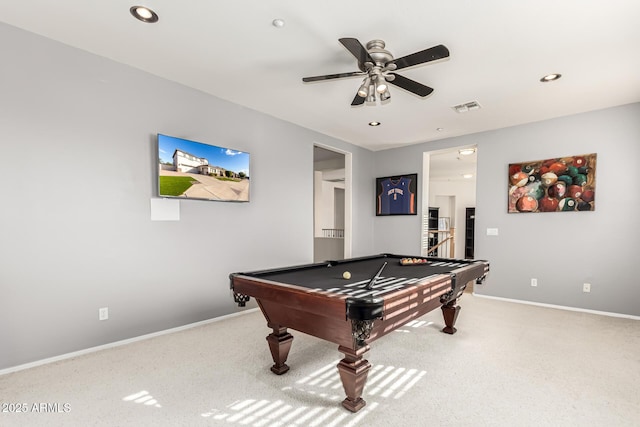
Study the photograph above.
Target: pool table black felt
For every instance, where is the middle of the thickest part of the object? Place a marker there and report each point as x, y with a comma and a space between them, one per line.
329, 275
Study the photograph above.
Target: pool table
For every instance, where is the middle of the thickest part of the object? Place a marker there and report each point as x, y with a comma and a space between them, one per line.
353, 310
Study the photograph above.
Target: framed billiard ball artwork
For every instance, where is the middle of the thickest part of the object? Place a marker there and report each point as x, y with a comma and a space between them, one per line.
397, 195
563, 184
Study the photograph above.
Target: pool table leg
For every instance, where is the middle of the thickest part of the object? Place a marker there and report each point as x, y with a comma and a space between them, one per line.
279, 344
450, 313
353, 373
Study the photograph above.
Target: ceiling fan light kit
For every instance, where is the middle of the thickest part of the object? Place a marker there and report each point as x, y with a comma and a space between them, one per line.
376, 65
364, 89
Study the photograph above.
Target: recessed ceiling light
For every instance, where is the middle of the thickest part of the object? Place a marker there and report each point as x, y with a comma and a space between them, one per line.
467, 176
278, 23
550, 77
374, 123
144, 14
440, 129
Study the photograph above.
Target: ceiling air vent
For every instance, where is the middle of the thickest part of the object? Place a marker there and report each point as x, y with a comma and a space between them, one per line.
467, 106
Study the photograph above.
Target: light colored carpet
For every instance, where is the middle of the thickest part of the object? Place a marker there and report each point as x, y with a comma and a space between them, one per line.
509, 365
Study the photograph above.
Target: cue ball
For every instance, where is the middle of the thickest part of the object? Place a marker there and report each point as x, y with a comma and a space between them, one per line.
346, 275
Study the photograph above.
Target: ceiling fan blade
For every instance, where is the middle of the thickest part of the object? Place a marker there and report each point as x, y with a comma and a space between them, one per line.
410, 85
333, 76
358, 100
427, 55
357, 50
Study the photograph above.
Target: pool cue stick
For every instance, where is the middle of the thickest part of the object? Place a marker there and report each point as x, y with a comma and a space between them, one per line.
375, 278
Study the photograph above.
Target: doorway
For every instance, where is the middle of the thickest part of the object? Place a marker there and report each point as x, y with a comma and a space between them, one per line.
449, 183
331, 204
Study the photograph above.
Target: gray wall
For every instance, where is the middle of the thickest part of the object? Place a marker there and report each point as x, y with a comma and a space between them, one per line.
77, 138
78, 164
561, 250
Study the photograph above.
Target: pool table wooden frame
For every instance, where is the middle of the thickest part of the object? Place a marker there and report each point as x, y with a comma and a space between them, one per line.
325, 315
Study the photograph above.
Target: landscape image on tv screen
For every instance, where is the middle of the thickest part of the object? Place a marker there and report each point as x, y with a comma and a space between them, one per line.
195, 170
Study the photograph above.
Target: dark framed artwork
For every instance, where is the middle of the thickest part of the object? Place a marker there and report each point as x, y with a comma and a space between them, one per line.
397, 195
563, 184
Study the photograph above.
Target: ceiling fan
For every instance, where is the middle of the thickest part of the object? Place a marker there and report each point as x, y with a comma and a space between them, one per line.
377, 65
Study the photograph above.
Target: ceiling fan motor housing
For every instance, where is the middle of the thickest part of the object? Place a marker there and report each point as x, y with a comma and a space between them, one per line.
378, 53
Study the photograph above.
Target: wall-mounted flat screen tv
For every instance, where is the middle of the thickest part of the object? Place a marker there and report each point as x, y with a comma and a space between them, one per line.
195, 170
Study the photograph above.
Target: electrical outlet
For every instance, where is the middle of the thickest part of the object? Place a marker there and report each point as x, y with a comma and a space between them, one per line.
103, 313
534, 282
586, 287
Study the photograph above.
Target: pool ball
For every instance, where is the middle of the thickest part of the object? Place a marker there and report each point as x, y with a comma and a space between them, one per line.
579, 161
557, 168
519, 179
584, 206
514, 169
528, 169
515, 193
549, 178
534, 176
548, 204
567, 204
566, 179
580, 179
558, 190
527, 204
588, 196
346, 275
575, 191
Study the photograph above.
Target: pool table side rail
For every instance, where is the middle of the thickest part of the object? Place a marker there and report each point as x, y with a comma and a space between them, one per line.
296, 297
417, 294
331, 304
324, 315
476, 272
332, 263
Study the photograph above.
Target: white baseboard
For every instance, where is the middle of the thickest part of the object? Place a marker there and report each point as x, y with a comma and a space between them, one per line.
560, 307
120, 343
217, 319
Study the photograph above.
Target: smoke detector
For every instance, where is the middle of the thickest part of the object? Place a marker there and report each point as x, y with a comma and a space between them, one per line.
467, 106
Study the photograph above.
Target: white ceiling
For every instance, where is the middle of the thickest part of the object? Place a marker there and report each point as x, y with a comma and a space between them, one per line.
499, 51
450, 165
